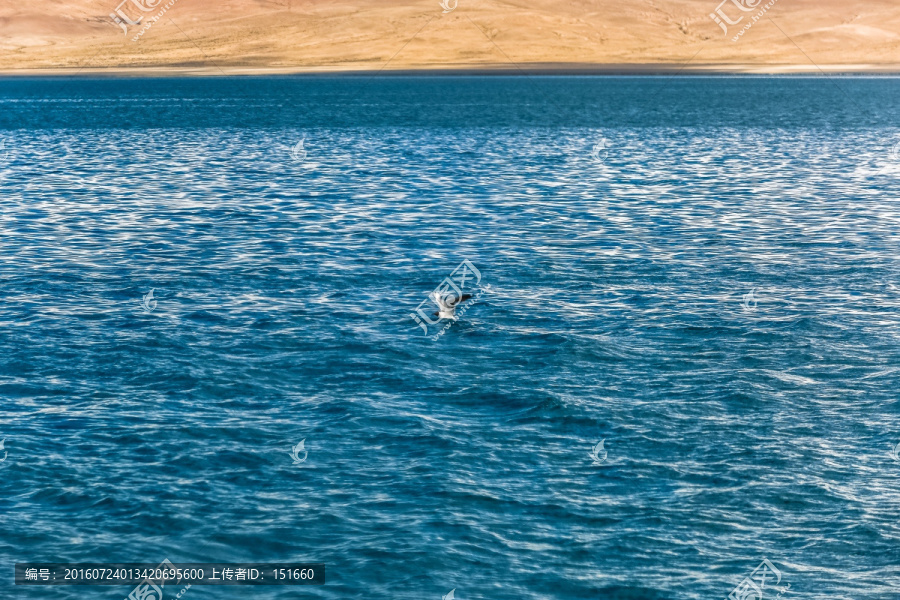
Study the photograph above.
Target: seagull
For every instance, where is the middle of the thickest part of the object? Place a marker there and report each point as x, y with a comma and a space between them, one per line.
448, 305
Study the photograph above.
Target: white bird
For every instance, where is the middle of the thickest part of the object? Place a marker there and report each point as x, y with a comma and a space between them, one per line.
447, 305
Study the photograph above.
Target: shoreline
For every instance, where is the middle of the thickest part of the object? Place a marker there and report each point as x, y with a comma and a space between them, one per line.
542, 70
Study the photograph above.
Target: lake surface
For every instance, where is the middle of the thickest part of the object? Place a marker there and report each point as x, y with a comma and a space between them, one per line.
702, 273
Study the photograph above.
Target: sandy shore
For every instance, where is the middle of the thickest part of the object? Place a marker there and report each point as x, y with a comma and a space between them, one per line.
258, 37
489, 70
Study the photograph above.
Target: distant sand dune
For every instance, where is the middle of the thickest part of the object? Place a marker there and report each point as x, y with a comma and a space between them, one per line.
242, 36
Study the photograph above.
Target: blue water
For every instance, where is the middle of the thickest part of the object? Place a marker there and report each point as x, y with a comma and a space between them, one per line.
612, 307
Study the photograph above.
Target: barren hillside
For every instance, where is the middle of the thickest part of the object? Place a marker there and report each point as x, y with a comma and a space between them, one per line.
309, 35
